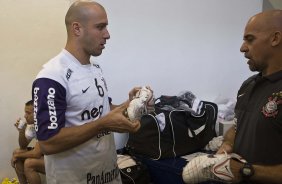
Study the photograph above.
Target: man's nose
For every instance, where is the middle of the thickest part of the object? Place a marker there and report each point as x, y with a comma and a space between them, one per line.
107, 34
243, 48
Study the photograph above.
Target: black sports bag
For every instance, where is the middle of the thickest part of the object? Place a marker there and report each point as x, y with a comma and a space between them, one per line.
185, 132
132, 171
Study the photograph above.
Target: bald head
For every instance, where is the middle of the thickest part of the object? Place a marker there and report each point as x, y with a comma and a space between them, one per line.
262, 44
268, 21
87, 33
79, 11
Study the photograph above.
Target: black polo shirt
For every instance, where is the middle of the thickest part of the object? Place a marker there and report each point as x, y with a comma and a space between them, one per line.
259, 120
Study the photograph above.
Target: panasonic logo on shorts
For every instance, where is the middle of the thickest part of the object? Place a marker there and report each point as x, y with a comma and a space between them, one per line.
52, 108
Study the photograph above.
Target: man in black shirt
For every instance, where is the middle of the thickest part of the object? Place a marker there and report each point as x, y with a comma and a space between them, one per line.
257, 134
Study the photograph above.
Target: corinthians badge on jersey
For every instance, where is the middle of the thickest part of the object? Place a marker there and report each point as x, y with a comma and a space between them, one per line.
271, 107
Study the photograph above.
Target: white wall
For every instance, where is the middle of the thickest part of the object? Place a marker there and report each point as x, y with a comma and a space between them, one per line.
31, 32
177, 45
171, 45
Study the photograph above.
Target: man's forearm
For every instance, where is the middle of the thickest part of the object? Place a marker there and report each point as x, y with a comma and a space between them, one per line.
229, 136
113, 106
23, 142
27, 154
228, 141
70, 137
267, 174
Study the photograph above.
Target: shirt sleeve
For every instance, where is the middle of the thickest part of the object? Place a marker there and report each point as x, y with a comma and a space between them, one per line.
49, 98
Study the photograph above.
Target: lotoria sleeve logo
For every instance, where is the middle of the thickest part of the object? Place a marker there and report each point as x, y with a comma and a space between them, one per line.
52, 108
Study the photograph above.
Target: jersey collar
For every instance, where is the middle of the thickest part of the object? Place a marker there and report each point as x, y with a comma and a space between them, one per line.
73, 59
275, 76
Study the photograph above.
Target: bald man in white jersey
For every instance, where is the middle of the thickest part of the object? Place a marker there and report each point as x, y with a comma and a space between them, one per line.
73, 120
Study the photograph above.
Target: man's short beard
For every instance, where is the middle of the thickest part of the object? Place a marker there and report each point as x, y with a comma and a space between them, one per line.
253, 69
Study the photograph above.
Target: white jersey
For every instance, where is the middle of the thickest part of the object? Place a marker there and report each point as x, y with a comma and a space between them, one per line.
67, 94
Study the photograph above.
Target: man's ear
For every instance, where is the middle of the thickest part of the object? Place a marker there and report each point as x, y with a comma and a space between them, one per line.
76, 27
276, 39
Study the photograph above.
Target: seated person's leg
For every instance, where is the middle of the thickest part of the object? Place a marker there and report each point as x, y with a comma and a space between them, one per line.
32, 168
19, 168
